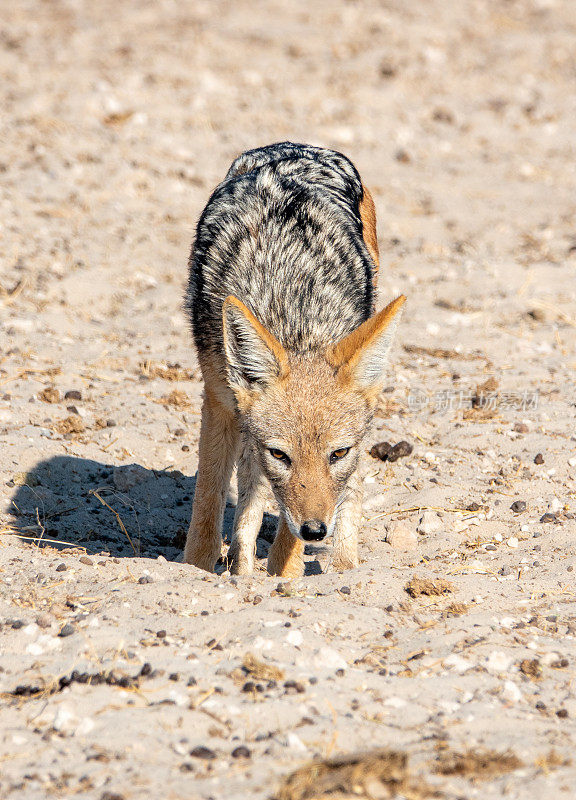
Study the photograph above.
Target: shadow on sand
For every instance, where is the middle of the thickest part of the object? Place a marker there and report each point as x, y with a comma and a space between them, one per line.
125, 511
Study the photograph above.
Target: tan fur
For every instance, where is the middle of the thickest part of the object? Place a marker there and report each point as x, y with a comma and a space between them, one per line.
368, 216
309, 407
286, 554
217, 455
346, 354
306, 406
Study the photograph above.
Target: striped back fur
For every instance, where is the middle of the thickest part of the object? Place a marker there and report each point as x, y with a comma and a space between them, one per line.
283, 234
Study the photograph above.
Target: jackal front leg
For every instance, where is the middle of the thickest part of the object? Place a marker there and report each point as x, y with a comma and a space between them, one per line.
217, 454
286, 554
348, 519
249, 512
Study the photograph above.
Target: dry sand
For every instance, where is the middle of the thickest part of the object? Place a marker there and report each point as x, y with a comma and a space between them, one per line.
117, 120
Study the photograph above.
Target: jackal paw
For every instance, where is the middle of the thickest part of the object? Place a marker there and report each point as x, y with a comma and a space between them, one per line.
343, 561
201, 556
239, 562
290, 569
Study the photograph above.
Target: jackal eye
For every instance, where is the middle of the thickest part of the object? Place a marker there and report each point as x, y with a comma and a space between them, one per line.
279, 455
338, 454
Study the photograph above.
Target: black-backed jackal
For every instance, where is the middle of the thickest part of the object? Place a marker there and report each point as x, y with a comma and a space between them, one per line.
281, 292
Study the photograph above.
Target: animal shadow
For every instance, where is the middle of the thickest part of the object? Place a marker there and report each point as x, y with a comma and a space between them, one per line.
125, 510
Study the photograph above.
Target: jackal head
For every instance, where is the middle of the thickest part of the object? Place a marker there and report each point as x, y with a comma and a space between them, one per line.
305, 416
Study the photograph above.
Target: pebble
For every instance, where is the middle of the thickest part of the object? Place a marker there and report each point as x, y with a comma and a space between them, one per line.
457, 663
518, 506
295, 638
498, 661
401, 537
241, 752
512, 542
511, 693
61, 567
328, 658
86, 560
548, 517
539, 458
505, 571
44, 620
67, 630
400, 450
388, 452
203, 752
521, 427
572, 462
430, 523
381, 450
145, 579
73, 394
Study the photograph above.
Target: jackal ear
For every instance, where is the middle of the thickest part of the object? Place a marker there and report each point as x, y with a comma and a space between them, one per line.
362, 355
255, 358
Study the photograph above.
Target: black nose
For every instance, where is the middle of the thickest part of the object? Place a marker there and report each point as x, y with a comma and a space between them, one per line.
313, 530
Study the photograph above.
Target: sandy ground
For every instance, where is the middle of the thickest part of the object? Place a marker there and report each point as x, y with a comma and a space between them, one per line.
120, 668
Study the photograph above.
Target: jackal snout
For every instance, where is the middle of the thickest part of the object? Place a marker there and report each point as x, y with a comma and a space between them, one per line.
313, 530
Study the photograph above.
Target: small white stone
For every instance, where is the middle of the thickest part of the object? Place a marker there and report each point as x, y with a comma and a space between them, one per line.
295, 742
457, 663
512, 542
179, 698
401, 537
549, 658
498, 661
295, 638
31, 630
327, 658
572, 462
20, 325
86, 726
64, 719
449, 706
556, 505
511, 693
498, 537
430, 523
395, 702
263, 644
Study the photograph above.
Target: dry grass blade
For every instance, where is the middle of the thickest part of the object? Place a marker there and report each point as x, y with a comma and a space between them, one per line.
481, 764
118, 518
422, 586
261, 671
8, 296
379, 774
439, 352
